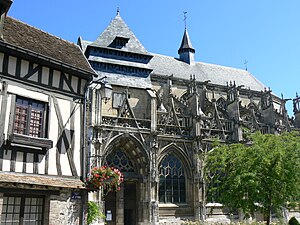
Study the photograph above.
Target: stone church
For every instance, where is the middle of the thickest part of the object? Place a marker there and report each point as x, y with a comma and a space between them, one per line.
66, 108
160, 120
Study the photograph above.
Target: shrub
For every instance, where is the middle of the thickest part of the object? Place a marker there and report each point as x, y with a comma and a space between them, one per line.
293, 221
94, 212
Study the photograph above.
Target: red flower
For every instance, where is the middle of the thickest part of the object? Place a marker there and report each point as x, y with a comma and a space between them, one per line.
99, 175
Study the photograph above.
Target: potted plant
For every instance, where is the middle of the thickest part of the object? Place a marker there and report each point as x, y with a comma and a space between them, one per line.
94, 212
109, 178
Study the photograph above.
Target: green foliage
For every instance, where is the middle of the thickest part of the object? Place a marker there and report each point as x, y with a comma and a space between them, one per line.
94, 212
263, 175
293, 221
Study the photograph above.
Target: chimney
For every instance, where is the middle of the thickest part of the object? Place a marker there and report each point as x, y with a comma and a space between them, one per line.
4, 7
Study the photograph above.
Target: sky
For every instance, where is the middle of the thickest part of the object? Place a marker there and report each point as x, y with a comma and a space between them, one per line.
265, 33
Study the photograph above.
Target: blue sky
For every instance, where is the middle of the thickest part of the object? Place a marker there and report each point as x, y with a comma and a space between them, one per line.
266, 33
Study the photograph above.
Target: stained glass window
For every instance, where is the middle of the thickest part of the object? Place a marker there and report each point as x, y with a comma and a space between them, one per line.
119, 160
171, 180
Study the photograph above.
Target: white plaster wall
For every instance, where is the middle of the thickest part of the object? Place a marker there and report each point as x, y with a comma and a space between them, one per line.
19, 161
56, 78
53, 133
6, 160
21, 91
74, 82
29, 163
78, 138
65, 110
24, 68
41, 165
34, 77
12, 62
7, 115
45, 79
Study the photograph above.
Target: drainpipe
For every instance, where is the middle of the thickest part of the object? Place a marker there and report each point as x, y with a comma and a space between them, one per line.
83, 149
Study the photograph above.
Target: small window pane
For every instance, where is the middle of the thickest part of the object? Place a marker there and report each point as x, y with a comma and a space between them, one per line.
171, 180
29, 117
119, 160
33, 208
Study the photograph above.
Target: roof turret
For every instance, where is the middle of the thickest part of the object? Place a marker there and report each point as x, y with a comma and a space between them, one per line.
186, 51
186, 42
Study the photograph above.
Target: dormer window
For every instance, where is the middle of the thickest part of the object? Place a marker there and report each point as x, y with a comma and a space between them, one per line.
119, 42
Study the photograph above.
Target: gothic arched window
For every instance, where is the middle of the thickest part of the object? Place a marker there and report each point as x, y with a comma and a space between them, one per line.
171, 180
119, 160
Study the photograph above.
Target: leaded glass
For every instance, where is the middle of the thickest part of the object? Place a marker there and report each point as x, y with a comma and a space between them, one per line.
119, 160
171, 180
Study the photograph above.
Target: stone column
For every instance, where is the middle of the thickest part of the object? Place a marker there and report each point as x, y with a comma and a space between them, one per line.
120, 206
154, 213
143, 203
153, 182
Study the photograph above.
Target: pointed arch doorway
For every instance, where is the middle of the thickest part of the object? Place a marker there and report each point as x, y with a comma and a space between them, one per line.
127, 214
129, 158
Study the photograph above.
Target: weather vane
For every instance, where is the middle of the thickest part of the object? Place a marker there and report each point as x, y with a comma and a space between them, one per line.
184, 18
246, 64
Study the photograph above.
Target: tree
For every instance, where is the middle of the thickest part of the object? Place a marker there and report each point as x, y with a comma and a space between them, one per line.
263, 174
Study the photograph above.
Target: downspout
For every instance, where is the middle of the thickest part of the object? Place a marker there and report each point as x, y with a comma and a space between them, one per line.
83, 150
84, 135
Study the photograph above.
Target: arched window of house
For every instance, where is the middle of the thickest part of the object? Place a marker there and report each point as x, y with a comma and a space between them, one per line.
171, 180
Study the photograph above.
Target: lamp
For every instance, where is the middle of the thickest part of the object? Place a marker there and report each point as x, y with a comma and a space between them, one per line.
106, 91
105, 88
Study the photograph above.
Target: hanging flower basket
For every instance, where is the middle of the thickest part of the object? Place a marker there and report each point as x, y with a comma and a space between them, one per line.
107, 177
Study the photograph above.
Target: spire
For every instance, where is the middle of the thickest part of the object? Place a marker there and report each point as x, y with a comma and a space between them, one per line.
186, 51
186, 43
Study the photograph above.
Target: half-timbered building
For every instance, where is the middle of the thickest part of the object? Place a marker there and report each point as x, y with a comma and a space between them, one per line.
43, 82
164, 113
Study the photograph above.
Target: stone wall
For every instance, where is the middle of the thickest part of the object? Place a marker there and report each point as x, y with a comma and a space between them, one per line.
64, 210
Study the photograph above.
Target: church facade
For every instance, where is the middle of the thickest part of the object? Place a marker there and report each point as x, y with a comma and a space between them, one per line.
58, 122
162, 117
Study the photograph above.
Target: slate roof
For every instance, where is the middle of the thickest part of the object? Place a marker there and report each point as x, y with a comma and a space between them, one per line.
186, 42
30, 38
125, 80
166, 66
118, 28
118, 62
83, 44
